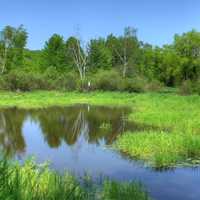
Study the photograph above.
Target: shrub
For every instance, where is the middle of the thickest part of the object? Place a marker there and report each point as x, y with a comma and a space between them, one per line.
154, 85
196, 86
108, 80
23, 81
136, 84
105, 80
66, 81
28, 81
186, 88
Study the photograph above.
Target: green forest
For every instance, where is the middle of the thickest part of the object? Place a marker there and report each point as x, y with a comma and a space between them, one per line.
113, 63
104, 119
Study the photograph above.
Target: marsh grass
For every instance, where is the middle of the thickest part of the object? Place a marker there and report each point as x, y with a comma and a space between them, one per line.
166, 110
30, 182
33, 182
161, 149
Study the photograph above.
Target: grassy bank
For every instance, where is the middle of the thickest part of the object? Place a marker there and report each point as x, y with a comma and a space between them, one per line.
161, 149
45, 99
31, 182
178, 114
180, 145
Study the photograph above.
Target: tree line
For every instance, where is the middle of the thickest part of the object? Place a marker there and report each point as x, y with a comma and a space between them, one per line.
122, 60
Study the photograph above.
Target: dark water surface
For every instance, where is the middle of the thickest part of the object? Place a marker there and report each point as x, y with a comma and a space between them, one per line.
76, 138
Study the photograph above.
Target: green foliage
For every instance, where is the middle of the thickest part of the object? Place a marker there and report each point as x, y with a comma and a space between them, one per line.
111, 80
67, 82
99, 55
12, 43
176, 118
72, 45
189, 87
54, 52
187, 47
31, 182
125, 191
136, 84
106, 80
186, 87
161, 149
51, 79
33, 61
136, 66
112, 44
23, 81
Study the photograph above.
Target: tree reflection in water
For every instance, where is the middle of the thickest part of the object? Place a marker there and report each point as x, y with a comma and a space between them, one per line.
94, 123
11, 138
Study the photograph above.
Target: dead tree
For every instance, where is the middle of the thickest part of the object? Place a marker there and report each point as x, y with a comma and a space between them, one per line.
127, 44
123, 59
79, 58
3, 53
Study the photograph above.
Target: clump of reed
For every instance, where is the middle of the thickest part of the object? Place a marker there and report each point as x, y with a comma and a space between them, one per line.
161, 149
37, 182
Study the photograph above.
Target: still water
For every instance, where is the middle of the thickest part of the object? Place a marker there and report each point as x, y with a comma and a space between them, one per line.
77, 138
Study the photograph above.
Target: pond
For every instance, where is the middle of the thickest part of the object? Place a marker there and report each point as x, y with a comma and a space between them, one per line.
78, 138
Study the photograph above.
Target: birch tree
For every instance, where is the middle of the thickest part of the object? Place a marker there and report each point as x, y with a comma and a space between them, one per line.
12, 43
6, 40
123, 48
78, 54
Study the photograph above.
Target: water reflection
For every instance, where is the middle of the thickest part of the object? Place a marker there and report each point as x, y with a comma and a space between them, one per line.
73, 138
58, 124
11, 138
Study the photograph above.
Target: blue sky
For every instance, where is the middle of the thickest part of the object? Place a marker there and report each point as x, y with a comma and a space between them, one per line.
156, 20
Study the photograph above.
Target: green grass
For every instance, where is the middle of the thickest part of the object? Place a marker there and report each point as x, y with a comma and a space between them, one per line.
161, 149
180, 145
168, 111
32, 182
52, 98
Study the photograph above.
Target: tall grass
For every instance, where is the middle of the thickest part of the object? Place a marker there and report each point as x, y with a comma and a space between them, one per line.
33, 182
161, 149
169, 111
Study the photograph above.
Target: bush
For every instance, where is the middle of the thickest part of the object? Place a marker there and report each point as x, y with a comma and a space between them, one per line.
136, 84
23, 81
105, 80
66, 81
108, 80
154, 86
186, 88
196, 87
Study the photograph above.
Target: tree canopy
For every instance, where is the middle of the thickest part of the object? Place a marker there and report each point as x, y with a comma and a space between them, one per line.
170, 64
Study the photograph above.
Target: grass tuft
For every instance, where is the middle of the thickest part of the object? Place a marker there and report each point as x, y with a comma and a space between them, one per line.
37, 182
160, 149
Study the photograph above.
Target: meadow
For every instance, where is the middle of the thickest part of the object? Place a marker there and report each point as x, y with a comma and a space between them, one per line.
176, 140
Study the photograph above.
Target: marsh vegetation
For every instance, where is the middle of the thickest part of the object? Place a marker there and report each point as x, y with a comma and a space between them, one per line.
130, 135
128, 107
31, 181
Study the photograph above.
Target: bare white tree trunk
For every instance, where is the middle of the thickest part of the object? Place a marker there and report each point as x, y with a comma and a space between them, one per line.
80, 60
124, 61
3, 60
124, 70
